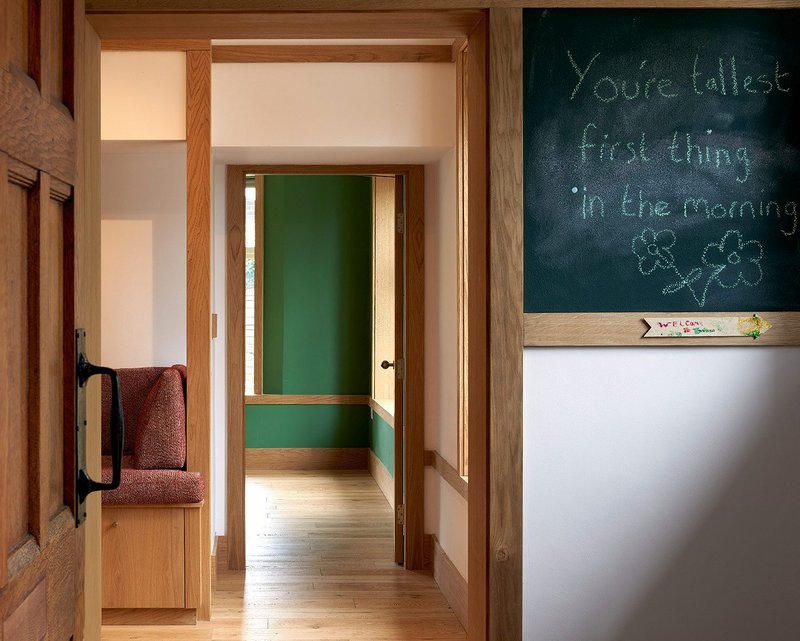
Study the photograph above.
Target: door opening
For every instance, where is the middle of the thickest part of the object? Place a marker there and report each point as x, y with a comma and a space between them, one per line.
316, 362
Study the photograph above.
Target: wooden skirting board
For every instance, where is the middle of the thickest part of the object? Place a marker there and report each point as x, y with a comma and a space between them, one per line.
307, 458
447, 472
149, 616
450, 581
382, 477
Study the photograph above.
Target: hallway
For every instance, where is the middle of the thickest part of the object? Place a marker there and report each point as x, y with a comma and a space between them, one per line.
319, 569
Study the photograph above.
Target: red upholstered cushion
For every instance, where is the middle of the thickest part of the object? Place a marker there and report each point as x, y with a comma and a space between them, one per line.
181, 369
160, 441
135, 382
149, 487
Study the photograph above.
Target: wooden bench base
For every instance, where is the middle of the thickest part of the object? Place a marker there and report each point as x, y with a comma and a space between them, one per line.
151, 563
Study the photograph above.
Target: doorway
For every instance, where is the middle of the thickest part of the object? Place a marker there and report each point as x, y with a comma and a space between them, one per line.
392, 391
469, 52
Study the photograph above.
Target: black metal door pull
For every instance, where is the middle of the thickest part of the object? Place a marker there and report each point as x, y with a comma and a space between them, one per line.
85, 485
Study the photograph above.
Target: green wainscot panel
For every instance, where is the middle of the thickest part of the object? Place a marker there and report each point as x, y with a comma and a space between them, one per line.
381, 441
283, 426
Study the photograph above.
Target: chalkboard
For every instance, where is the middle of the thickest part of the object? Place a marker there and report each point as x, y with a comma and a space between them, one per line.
662, 160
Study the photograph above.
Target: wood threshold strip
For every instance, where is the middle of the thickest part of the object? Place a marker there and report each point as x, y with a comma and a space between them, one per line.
381, 411
628, 328
331, 53
447, 472
307, 399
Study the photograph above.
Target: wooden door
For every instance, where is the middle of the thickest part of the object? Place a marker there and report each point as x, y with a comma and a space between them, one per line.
388, 314
41, 549
400, 495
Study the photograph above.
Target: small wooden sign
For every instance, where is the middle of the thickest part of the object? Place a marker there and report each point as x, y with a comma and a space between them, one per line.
703, 327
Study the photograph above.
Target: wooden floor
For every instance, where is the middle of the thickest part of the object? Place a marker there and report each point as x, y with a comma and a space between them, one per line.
319, 569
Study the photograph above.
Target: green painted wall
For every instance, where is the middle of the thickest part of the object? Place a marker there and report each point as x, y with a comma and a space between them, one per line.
317, 310
307, 426
317, 284
381, 441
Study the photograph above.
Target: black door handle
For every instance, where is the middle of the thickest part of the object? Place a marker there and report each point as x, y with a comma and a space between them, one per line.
85, 485
387, 364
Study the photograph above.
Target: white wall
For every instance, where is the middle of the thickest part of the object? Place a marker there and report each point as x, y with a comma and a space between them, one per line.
143, 254
143, 95
445, 509
218, 366
333, 105
359, 113
660, 494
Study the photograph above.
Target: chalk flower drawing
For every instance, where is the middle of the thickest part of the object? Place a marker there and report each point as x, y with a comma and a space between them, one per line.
734, 261
653, 250
729, 263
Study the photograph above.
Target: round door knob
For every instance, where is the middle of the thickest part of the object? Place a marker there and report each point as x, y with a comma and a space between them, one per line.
387, 364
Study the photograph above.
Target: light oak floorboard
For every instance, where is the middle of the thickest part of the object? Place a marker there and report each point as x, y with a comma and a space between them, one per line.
319, 568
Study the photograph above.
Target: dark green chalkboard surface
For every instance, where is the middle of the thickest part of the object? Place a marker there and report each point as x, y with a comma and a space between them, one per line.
662, 160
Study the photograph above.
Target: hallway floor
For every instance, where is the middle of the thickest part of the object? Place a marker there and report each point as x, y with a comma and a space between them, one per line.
319, 569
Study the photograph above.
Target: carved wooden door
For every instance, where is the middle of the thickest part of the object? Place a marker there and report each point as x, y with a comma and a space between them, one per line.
42, 551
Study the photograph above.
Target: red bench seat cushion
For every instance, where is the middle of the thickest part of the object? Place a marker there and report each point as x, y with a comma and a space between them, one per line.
152, 487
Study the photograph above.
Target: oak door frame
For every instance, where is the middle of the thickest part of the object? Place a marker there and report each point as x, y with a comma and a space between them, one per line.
414, 325
490, 508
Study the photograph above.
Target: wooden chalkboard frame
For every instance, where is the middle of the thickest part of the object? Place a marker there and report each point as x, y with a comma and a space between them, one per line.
628, 328
606, 329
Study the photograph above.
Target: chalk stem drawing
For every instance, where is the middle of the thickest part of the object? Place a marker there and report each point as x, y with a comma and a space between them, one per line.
729, 263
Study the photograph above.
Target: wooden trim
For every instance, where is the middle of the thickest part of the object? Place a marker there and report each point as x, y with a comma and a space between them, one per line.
628, 328
198, 296
475, 115
307, 399
414, 399
331, 53
401, 251
153, 6
39, 233
328, 170
381, 411
138, 44
414, 323
307, 458
149, 616
86, 212
383, 478
452, 584
462, 265
427, 544
505, 321
447, 472
221, 551
258, 291
192, 559
234, 354
283, 25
